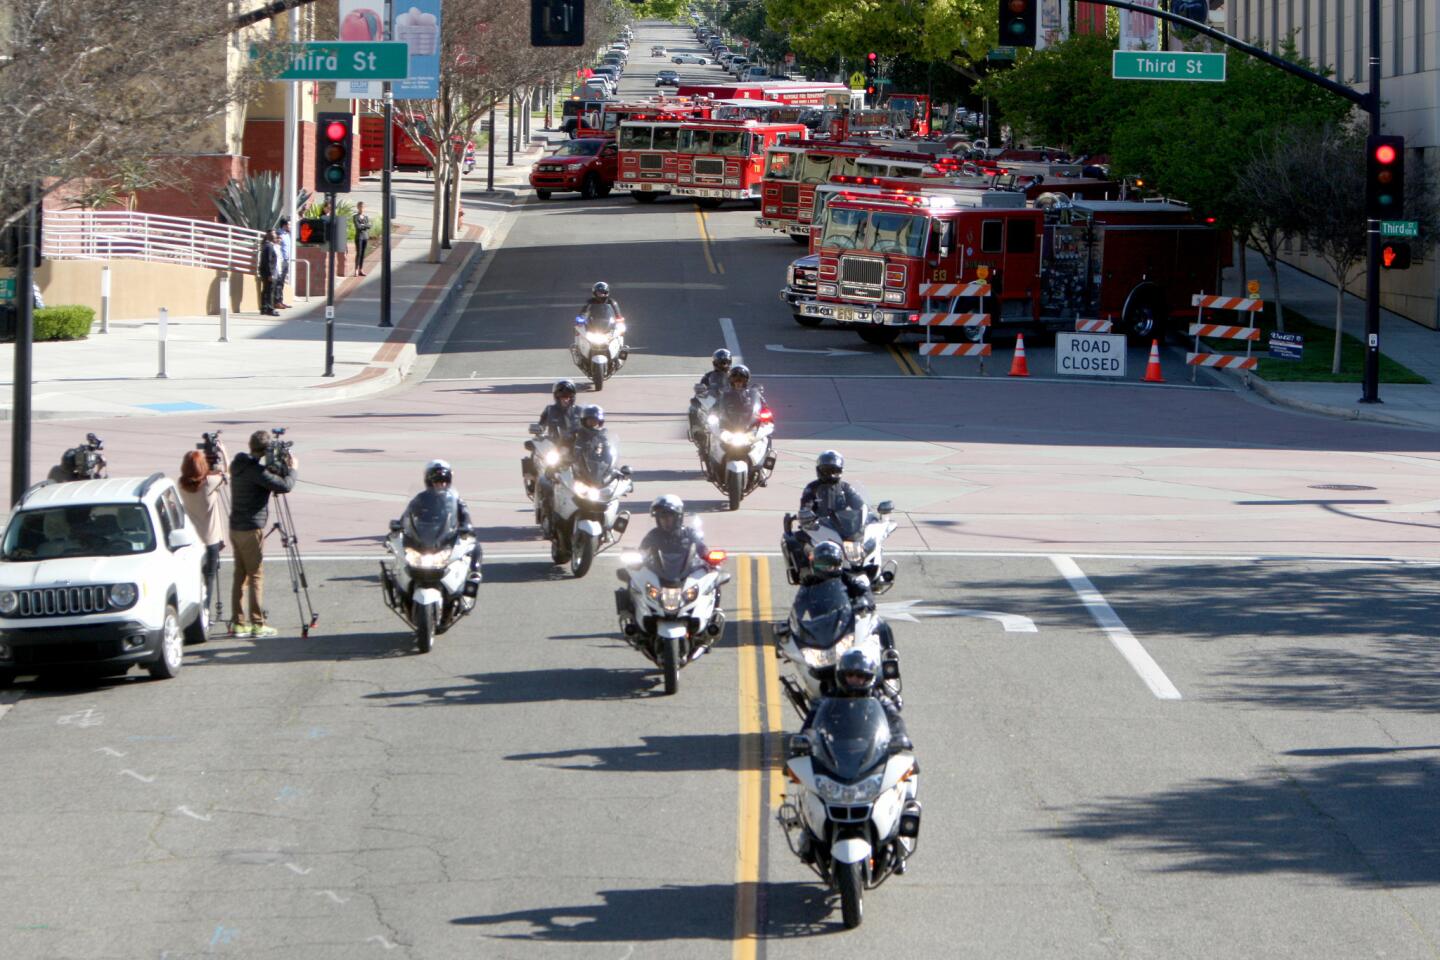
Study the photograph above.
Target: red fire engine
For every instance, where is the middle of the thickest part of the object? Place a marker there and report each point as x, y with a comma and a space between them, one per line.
781, 91
648, 158
885, 259
605, 121
718, 160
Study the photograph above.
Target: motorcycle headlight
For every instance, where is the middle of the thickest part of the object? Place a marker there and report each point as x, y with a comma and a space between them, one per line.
691, 593
552, 457
818, 659
9, 602
854, 551
584, 490
713, 420
652, 591
597, 338
740, 438
426, 560
121, 595
670, 598
862, 791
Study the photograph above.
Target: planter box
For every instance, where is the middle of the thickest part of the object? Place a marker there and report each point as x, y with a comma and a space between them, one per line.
312, 281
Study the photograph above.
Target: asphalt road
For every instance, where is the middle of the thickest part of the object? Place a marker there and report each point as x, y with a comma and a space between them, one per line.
1168, 659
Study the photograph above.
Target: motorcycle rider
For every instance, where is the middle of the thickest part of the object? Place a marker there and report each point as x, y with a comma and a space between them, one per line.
712, 385
828, 563
670, 535
591, 435
440, 478
823, 496
559, 420
600, 296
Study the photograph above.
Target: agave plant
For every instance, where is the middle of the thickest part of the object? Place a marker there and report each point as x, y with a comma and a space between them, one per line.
256, 202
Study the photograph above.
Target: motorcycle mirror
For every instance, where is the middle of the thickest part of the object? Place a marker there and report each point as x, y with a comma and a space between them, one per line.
800, 745
890, 669
885, 508
536, 430
394, 526
625, 471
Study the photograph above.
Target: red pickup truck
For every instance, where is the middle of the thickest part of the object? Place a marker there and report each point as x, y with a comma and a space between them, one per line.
589, 165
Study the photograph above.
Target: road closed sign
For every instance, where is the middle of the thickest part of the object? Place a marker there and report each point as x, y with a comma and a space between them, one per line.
1090, 354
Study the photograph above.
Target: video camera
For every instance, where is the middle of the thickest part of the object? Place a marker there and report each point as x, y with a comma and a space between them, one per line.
210, 445
277, 453
85, 462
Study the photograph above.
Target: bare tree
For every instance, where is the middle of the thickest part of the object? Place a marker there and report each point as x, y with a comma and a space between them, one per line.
91, 89
1267, 188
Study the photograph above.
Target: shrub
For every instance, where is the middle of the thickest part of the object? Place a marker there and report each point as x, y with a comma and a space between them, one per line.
63, 323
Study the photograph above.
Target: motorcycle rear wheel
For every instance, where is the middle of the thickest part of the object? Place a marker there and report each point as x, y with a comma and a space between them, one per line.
850, 880
670, 663
425, 627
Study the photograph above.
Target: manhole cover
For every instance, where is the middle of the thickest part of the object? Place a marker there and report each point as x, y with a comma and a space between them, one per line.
1339, 486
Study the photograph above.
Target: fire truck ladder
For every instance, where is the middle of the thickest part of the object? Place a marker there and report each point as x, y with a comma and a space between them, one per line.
1198, 329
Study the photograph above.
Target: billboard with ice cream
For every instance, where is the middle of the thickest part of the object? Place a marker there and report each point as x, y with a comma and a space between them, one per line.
417, 22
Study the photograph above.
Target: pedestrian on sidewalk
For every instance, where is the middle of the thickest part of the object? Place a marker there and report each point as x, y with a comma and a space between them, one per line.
252, 482
269, 272
287, 253
201, 481
362, 237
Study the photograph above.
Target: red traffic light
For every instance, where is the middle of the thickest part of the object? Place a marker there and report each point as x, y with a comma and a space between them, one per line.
336, 131
1395, 256
871, 57
1385, 153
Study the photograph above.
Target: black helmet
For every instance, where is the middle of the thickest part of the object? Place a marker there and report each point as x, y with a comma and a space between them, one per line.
855, 673
740, 372
668, 511
565, 388
721, 359
827, 560
601, 289
592, 416
436, 472
829, 466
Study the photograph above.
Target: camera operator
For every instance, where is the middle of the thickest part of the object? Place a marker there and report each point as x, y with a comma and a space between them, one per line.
84, 462
202, 477
254, 476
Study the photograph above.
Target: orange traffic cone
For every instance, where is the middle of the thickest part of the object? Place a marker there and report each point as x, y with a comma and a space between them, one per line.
1152, 369
1018, 367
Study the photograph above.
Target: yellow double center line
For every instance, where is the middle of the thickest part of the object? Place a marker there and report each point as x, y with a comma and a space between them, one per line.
908, 362
706, 243
761, 778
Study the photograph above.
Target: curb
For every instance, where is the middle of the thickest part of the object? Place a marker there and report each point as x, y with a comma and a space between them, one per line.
1242, 382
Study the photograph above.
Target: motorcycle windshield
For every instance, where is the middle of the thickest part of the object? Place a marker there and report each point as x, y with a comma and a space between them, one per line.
844, 511
595, 463
851, 735
673, 565
432, 520
737, 411
600, 318
821, 614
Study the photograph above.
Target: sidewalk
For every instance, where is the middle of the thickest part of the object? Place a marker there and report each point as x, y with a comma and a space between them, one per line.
1401, 339
280, 361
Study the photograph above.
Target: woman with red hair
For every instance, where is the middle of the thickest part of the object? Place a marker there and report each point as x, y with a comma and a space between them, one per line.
202, 482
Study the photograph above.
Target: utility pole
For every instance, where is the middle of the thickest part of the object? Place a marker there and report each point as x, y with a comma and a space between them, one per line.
24, 348
1370, 384
387, 197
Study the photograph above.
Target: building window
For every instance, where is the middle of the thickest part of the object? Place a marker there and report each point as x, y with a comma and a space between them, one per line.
1397, 47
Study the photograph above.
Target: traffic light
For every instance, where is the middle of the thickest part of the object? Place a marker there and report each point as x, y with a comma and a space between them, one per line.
334, 152
1395, 255
1384, 177
311, 232
872, 73
557, 23
1017, 23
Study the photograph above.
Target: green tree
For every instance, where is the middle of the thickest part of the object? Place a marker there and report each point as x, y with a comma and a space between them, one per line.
1063, 96
957, 33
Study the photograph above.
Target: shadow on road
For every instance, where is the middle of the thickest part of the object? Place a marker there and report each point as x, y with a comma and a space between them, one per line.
1368, 824
527, 686
290, 648
671, 912
668, 754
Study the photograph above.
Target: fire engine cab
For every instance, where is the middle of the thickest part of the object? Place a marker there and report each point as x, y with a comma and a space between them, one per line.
719, 160
885, 258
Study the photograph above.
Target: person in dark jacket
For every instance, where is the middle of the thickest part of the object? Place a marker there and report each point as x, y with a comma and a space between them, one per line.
270, 273
710, 386
361, 222
252, 483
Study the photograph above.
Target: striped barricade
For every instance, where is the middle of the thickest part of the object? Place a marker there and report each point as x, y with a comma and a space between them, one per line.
955, 319
976, 288
1250, 306
1094, 326
954, 349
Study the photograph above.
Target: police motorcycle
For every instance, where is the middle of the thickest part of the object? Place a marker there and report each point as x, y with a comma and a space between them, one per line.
823, 624
860, 533
599, 349
585, 516
851, 815
669, 608
737, 456
424, 580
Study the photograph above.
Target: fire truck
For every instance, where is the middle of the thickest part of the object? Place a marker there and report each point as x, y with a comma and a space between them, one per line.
649, 161
884, 259
606, 120
408, 154
915, 106
781, 91
719, 160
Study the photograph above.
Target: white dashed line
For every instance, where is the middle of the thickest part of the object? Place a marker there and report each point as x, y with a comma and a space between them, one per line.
732, 342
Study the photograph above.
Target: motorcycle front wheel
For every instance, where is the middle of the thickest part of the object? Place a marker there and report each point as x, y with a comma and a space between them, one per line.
597, 376
670, 663
850, 880
734, 489
425, 626
584, 554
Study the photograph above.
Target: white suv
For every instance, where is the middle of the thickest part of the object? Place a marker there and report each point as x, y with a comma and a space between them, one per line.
100, 575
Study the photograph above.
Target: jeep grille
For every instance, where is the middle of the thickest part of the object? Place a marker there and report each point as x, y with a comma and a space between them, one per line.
62, 601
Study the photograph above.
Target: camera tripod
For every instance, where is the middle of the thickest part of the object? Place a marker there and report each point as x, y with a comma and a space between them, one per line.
285, 525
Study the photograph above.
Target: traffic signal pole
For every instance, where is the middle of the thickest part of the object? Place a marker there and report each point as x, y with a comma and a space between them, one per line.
1369, 101
24, 349
387, 200
334, 234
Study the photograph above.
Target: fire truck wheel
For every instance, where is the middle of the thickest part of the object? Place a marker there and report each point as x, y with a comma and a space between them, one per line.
590, 189
1143, 320
644, 197
879, 336
805, 321
801, 238
543, 194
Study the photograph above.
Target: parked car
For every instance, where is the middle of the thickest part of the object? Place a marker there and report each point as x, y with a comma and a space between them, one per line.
588, 165
667, 78
689, 58
598, 87
97, 576
754, 73
737, 64
657, 51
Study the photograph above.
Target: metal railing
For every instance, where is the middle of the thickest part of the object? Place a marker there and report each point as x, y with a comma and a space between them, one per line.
120, 234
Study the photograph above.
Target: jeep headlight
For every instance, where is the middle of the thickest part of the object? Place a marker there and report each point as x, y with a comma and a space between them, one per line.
862, 791
854, 551
121, 595
9, 602
790, 276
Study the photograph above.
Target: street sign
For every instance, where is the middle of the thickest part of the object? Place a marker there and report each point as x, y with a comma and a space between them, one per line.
1167, 65
1286, 346
1252, 289
1090, 354
1399, 228
7, 288
336, 60
857, 81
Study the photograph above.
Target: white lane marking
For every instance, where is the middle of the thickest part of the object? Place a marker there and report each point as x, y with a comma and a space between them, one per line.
85, 718
109, 751
192, 814
1109, 621
332, 895
296, 868
732, 342
907, 610
383, 942
827, 352
127, 772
